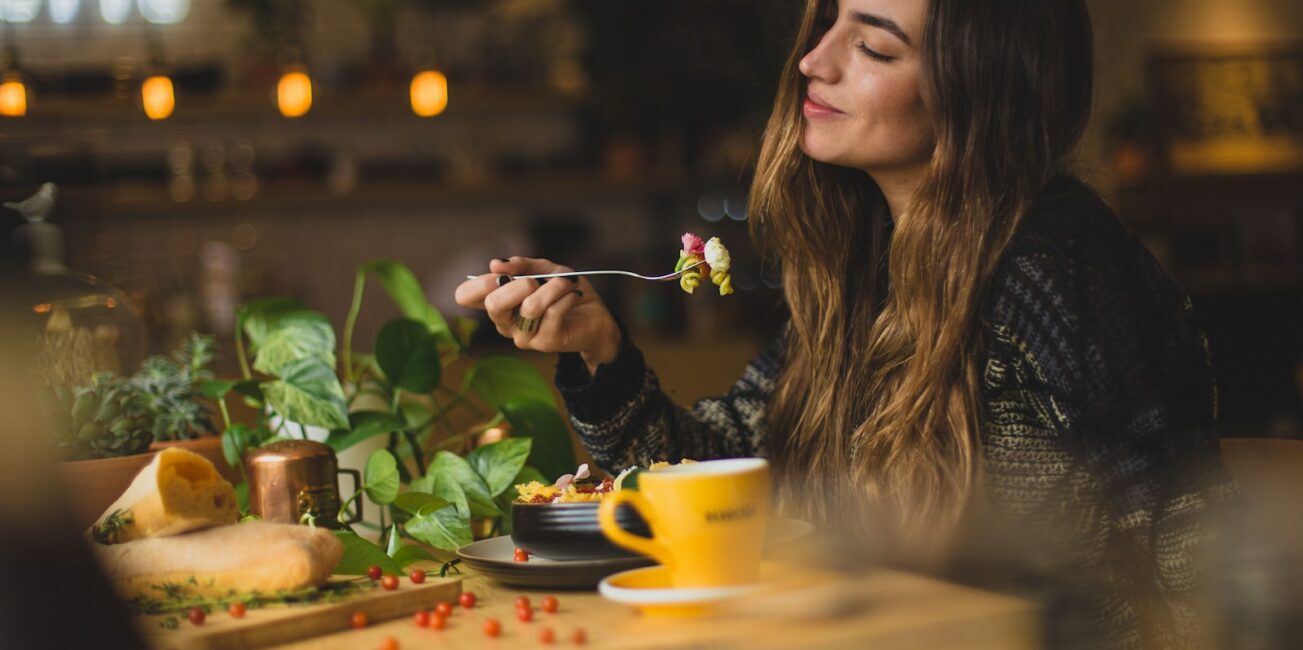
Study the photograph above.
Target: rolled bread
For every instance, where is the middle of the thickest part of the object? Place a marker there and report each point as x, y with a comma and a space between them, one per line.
253, 556
178, 491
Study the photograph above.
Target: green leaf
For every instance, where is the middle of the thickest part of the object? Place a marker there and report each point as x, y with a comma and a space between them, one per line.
259, 317
444, 528
308, 392
419, 502
498, 463
444, 487
410, 554
216, 390
408, 354
406, 292
552, 453
234, 441
359, 555
507, 380
381, 477
242, 497
395, 541
448, 466
303, 335
364, 424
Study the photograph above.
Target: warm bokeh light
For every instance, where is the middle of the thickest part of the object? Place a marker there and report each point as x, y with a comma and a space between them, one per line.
294, 93
429, 93
157, 97
13, 96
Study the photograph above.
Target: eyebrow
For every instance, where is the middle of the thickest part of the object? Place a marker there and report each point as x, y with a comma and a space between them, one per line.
880, 22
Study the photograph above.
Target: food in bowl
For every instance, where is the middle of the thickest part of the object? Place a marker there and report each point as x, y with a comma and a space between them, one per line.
559, 521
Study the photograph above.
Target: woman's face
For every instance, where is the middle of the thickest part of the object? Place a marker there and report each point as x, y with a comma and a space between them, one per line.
862, 107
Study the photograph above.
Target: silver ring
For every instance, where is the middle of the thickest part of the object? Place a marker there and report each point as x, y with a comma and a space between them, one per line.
526, 325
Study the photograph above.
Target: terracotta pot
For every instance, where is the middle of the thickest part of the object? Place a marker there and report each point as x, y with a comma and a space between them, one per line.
93, 485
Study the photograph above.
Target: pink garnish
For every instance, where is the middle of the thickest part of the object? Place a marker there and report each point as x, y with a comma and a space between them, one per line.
693, 245
565, 481
582, 472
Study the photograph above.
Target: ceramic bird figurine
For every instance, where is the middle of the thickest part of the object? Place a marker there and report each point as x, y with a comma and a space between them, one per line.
37, 206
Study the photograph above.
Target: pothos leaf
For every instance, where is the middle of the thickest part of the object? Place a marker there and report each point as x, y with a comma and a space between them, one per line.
499, 462
381, 482
408, 355
444, 528
308, 392
409, 554
448, 466
359, 555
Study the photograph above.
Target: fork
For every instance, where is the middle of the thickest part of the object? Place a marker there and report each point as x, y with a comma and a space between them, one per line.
574, 274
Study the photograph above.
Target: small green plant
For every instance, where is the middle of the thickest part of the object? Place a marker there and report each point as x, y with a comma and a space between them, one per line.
107, 417
428, 491
170, 388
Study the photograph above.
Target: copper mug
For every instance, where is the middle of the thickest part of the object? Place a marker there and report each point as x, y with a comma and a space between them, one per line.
293, 481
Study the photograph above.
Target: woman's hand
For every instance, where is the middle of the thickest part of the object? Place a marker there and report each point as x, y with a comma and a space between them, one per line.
556, 315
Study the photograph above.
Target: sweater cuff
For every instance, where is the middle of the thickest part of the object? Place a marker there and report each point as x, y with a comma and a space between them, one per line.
597, 398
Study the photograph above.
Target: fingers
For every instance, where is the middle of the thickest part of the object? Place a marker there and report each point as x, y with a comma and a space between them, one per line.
472, 293
537, 303
554, 332
502, 303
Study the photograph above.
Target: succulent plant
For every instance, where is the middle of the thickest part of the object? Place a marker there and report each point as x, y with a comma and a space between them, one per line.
105, 418
170, 390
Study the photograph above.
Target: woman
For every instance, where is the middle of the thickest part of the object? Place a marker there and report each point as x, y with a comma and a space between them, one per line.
974, 338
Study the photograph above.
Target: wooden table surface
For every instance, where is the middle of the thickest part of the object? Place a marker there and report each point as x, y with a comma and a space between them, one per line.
880, 609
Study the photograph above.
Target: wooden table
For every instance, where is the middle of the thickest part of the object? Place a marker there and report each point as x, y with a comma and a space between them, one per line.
894, 610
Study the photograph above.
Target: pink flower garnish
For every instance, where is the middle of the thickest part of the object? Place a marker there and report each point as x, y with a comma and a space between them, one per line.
693, 244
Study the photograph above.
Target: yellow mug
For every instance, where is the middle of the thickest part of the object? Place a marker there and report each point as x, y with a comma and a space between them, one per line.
708, 520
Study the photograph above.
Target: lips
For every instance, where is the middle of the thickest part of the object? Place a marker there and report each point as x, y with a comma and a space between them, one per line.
816, 107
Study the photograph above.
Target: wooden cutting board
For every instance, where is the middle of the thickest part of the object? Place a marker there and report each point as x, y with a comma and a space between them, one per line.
283, 624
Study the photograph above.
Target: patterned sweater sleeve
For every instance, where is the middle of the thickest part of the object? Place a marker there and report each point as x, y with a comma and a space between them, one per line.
624, 418
1126, 382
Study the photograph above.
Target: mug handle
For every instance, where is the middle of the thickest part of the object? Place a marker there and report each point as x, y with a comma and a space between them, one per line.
357, 485
611, 528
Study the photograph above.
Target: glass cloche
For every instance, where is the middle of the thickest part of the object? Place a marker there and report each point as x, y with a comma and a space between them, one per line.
81, 326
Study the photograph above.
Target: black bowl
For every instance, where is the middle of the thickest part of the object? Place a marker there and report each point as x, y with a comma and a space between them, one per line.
569, 531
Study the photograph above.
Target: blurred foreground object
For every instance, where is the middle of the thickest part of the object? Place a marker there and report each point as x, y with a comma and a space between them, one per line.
49, 571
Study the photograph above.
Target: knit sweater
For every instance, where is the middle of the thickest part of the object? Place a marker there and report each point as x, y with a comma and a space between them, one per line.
1097, 426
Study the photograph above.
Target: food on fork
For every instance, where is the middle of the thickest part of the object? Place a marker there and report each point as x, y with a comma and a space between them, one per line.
714, 262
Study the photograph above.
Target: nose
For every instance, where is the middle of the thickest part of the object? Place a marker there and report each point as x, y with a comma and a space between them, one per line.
819, 63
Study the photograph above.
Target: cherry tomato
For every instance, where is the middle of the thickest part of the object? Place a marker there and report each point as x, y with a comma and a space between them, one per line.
550, 604
466, 599
522, 601
359, 620
522, 555
579, 637
374, 572
390, 643
438, 621
237, 610
390, 583
417, 577
444, 609
547, 636
421, 618
525, 614
197, 615
492, 627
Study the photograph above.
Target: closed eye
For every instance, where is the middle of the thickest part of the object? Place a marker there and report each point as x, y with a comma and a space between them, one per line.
873, 54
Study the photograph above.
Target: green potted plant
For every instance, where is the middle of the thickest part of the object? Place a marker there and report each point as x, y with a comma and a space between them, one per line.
432, 482
108, 429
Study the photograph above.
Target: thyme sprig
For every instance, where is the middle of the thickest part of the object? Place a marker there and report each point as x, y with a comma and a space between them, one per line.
181, 597
110, 531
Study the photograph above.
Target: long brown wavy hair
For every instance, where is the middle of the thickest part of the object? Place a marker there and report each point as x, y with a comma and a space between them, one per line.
875, 418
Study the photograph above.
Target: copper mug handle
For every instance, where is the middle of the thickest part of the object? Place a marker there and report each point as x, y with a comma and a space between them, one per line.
357, 485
